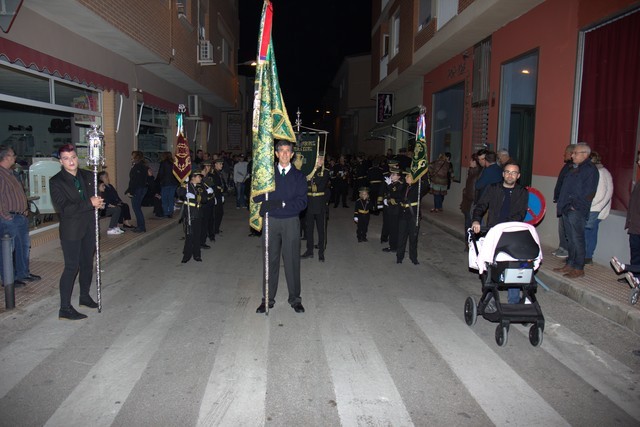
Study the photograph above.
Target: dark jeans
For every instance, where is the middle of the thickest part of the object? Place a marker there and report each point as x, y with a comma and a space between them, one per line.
574, 222
167, 193
591, 234
438, 200
18, 229
136, 204
78, 255
114, 212
562, 236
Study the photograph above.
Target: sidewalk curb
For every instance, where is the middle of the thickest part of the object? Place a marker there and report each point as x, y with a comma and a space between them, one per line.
624, 316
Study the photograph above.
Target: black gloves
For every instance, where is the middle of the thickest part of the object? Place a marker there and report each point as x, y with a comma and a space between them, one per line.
270, 206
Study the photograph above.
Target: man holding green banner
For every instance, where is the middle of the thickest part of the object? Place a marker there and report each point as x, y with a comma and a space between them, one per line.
286, 200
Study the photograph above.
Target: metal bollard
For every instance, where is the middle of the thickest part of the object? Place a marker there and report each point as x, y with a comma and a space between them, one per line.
7, 273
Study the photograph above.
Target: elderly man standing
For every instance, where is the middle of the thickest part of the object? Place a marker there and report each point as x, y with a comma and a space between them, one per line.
13, 218
574, 203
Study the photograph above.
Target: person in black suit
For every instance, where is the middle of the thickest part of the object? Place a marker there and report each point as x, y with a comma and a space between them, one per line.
284, 206
72, 194
318, 186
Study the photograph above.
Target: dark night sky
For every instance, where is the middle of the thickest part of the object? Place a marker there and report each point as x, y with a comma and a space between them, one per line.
310, 40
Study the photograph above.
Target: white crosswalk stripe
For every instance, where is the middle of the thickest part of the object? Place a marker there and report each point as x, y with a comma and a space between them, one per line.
365, 392
98, 398
236, 390
500, 391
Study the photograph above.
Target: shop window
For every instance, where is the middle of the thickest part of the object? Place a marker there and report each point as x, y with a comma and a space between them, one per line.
447, 126
516, 124
153, 133
21, 84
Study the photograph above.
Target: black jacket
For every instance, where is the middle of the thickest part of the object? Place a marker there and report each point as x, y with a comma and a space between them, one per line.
76, 215
492, 199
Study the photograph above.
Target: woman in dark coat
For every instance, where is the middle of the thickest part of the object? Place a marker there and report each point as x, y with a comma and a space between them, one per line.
140, 176
469, 190
167, 183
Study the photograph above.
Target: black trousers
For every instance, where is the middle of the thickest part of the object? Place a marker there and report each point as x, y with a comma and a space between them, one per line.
78, 256
407, 230
207, 226
390, 228
363, 226
284, 240
341, 189
317, 219
192, 238
217, 217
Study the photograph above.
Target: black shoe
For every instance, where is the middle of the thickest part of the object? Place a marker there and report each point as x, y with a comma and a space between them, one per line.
387, 250
198, 259
88, 302
384, 240
139, 230
360, 240
298, 307
364, 239
21, 284
306, 255
321, 257
31, 278
335, 206
205, 246
345, 206
415, 262
262, 308
129, 226
70, 314
399, 261
185, 259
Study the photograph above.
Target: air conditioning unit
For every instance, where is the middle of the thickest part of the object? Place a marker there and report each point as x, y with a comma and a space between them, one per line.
194, 107
205, 52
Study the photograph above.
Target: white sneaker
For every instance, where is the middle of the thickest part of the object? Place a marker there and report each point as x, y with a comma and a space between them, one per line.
114, 231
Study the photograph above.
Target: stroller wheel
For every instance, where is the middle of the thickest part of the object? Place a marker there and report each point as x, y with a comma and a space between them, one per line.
633, 297
470, 311
502, 334
535, 335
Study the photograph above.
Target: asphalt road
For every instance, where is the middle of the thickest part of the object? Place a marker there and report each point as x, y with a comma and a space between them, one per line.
380, 344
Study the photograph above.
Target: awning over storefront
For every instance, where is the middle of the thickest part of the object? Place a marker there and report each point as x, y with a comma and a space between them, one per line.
157, 102
385, 128
30, 58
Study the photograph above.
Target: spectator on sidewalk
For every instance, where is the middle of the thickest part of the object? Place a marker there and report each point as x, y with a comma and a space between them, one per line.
469, 191
71, 194
632, 223
112, 198
574, 203
14, 211
503, 157
168, 184
111, 211
562, 252
140, 177
440, 175
239, 177
491, 172
600, 207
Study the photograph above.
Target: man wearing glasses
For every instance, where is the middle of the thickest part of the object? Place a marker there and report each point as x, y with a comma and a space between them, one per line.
574, 203
506, 201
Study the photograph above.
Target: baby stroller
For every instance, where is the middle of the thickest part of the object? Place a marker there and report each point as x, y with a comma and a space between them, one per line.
506, 257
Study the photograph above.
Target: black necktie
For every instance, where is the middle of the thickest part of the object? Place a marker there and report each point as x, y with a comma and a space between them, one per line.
283, 172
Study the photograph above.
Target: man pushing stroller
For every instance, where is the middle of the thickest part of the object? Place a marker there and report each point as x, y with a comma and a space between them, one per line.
506, 201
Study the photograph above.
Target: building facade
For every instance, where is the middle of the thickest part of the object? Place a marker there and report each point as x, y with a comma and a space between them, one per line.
125, 66
529, 76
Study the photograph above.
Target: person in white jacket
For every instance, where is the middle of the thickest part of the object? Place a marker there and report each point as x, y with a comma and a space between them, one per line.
600, 207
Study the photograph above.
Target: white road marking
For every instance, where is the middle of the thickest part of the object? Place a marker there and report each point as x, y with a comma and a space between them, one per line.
504, 396
365, 392
237, 387
613, 379
98, 398
19, 358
